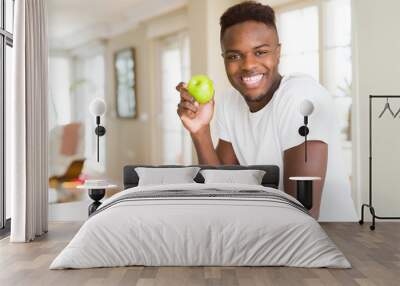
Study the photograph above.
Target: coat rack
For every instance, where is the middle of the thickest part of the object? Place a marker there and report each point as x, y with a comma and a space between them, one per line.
394, 115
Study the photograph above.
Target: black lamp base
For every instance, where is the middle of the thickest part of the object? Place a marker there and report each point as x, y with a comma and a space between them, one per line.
100, 130
305, 193
303, 131
96, 195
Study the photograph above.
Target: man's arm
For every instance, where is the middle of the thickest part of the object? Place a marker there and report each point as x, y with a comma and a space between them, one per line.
196, 119
222, 155
226, 153
294, 165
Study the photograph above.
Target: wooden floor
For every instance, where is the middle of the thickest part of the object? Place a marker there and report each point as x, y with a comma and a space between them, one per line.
375, 256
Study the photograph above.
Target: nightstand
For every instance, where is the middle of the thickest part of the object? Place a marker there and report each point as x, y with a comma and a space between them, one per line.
96, 193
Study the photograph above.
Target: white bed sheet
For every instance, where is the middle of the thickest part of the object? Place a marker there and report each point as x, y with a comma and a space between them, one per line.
200, 231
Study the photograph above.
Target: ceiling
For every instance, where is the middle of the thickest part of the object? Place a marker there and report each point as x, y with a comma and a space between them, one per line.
74, 22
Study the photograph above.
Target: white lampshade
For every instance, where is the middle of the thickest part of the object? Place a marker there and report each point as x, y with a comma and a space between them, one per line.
97, 107
306, 107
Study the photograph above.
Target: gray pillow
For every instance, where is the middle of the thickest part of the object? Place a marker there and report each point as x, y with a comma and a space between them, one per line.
248, 177
162, 176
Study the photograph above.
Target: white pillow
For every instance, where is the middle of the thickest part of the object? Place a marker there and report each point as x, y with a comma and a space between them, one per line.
248, 177
162, 176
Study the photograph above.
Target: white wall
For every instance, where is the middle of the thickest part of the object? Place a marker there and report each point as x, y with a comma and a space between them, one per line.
377, 71
127, 140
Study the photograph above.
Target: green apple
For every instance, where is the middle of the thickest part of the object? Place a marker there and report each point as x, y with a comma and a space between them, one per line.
201, 88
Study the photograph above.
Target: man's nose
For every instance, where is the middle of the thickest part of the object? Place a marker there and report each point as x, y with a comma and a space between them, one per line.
249, 62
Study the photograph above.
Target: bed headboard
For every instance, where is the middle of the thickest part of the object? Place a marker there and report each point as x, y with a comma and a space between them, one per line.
270, 179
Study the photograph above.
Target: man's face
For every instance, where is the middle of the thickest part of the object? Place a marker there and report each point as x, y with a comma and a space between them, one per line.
251, 54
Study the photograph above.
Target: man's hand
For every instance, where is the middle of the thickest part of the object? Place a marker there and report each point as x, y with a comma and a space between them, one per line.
193, 115
196, 119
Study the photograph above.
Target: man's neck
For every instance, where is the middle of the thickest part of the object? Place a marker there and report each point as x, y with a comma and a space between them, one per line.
258, 105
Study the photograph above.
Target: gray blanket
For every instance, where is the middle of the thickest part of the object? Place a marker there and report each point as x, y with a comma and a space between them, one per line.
211, 193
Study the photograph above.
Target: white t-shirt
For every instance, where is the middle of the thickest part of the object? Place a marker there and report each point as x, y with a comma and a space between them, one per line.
262, 137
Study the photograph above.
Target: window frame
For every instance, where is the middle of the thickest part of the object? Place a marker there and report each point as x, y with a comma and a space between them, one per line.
6, 39
303, 4
323, 50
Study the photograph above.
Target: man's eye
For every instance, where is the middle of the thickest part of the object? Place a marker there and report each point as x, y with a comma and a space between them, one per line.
232, 57
262, 53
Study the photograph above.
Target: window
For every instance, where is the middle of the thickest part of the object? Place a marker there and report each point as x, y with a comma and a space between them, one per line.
300, 50
175, 67
6, 43
337, 68
89, 83
316, 40
74, 81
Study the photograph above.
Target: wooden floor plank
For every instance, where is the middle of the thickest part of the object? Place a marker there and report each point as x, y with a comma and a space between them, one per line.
374, 255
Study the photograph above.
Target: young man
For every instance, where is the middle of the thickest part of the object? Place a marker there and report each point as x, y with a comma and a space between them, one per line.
258, 122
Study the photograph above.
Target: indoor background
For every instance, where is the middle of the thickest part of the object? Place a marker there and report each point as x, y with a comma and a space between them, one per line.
163, 42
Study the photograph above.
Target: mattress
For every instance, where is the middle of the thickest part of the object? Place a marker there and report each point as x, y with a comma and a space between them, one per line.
200, 225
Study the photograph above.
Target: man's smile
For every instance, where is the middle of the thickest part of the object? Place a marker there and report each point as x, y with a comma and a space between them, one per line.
252, 81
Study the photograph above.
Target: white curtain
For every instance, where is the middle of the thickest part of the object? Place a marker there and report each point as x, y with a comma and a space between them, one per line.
27, 123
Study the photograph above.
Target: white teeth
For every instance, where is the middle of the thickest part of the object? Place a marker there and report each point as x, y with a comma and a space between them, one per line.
252, 79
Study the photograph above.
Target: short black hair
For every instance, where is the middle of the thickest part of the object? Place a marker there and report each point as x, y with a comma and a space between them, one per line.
247, 11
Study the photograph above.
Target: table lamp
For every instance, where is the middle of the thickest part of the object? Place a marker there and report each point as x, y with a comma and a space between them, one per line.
97, 188
306, 108
304, 185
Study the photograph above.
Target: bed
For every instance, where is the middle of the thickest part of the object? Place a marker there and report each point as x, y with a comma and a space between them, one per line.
198, 224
